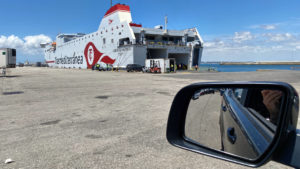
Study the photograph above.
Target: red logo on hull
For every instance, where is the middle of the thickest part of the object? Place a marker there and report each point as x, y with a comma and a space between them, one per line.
92, 56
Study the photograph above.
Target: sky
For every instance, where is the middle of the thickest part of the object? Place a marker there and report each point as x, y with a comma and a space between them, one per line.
232, 30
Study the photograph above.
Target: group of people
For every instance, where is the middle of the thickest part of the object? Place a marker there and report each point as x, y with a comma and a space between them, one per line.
107, 67
181, 67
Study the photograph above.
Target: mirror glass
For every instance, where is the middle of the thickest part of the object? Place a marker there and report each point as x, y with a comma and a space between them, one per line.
239, 121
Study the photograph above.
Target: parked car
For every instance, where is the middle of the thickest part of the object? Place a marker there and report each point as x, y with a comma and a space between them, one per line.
134, 68
199, 93
21, 64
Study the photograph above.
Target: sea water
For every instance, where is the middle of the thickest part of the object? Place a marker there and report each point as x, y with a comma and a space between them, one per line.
246, 68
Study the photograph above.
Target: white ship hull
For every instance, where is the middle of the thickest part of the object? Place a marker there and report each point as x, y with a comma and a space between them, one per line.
119, 42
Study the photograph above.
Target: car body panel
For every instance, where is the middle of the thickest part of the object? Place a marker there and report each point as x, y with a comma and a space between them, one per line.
250, 140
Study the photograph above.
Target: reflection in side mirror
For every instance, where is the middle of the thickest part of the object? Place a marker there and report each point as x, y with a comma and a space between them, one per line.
238, 121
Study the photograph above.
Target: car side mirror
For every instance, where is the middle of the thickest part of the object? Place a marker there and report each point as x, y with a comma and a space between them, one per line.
241, 122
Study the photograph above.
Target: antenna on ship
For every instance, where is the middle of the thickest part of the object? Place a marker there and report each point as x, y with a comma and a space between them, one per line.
110, 3
166, 23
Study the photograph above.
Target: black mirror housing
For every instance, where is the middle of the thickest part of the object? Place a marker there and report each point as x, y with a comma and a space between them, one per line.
287, 123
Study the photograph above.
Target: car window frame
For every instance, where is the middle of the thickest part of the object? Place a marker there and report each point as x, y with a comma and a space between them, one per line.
253, 112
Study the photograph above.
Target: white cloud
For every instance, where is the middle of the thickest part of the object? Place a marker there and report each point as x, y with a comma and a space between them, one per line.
279, 36
268, 42
35, 41
11, 41
265, 26
214, 44
268, 27
242, 36
246, 46
29, 45
277, 47
32, 43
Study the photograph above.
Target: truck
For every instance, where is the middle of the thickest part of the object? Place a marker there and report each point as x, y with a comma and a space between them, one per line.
7, 58
165, 65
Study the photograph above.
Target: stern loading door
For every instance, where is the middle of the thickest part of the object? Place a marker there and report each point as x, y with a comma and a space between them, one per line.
196, 53
181, 60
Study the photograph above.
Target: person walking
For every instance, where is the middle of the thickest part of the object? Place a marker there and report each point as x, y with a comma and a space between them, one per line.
196, 67
172, 68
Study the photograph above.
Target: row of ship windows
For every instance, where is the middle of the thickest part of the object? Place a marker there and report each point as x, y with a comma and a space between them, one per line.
117, 27
92, 36
104, 41
86, 37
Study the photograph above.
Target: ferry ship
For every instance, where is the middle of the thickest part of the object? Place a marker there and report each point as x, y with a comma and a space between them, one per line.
119, 42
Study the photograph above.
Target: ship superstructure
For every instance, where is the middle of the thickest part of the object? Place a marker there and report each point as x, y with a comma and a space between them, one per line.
118, 42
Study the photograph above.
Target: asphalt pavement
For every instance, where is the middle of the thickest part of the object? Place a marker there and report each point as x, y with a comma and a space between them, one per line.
67, 118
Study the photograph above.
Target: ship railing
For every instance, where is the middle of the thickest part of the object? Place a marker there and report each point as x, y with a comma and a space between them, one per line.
161, 43
156, 43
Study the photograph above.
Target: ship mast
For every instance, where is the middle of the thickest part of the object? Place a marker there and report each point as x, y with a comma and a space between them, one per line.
110, 3
166, 23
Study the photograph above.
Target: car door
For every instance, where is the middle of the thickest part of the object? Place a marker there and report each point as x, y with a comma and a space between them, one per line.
243, 131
